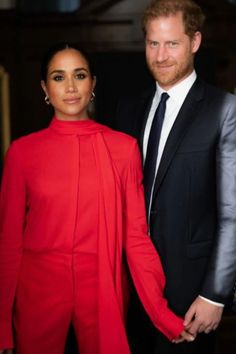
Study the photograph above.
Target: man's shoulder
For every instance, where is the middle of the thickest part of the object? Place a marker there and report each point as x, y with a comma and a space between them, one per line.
216, 92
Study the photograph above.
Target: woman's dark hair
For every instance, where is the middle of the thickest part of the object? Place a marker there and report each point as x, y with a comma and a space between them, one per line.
58, 48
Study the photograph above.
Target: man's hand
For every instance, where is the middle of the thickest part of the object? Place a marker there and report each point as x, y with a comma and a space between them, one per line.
6, 351
202, 316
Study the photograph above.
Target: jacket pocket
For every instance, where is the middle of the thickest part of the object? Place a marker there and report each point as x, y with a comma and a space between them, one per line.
199, 250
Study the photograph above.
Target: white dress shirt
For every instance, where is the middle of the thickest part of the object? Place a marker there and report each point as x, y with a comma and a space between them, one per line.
177, 95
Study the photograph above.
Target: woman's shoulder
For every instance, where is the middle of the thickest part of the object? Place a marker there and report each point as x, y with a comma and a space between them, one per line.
27, 143
119, 136
30, 138
121, 145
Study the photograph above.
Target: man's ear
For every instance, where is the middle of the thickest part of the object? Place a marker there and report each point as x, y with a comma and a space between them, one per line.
196, 41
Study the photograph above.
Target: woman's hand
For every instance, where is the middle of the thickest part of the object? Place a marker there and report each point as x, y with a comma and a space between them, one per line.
184, 336
6, 351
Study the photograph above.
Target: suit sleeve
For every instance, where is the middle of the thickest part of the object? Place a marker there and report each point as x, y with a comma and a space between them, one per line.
221, 275
143, 260
12, 211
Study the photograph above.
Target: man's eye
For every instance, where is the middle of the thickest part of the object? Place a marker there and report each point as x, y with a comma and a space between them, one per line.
153, 44
173, 44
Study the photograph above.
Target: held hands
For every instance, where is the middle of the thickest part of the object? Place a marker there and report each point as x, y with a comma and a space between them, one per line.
184, 336
202, 316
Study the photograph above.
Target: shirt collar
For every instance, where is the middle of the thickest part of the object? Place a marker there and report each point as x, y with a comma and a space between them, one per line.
180, 90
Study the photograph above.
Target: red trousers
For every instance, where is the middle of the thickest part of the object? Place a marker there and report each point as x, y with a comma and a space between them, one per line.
55, 290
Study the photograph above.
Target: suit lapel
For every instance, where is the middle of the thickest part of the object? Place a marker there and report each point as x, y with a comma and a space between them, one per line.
184, 119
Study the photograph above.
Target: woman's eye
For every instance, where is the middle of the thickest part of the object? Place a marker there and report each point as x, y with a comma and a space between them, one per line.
80, 76
58, 77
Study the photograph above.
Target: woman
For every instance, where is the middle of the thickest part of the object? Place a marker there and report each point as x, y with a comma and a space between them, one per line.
71, 206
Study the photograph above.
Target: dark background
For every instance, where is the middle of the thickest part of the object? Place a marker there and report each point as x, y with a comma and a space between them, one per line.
29, 29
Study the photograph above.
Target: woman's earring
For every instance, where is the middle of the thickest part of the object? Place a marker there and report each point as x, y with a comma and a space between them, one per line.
92, 96
46, 99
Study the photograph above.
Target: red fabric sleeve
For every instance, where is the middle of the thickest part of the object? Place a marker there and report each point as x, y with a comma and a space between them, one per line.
12, 214
143, 260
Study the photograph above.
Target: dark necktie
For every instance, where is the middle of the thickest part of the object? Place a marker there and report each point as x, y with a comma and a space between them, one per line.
152, 148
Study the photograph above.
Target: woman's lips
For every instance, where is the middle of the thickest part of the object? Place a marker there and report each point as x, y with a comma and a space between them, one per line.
71, 100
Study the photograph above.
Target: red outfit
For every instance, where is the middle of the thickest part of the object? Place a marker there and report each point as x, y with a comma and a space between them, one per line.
71, 206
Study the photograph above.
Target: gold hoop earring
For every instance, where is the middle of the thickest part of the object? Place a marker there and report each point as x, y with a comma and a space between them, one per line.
46, 99
92, 96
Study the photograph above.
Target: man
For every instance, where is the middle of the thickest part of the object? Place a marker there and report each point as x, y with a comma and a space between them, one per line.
192, 206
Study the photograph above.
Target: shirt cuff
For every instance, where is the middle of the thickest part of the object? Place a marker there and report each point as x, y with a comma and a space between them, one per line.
212, 302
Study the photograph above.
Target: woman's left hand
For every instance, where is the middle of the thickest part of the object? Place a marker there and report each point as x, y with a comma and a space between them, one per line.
184, 336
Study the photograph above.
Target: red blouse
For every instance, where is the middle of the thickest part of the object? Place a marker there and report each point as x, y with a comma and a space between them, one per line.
53, 176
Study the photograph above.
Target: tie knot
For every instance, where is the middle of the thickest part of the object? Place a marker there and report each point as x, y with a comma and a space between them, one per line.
164, 97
